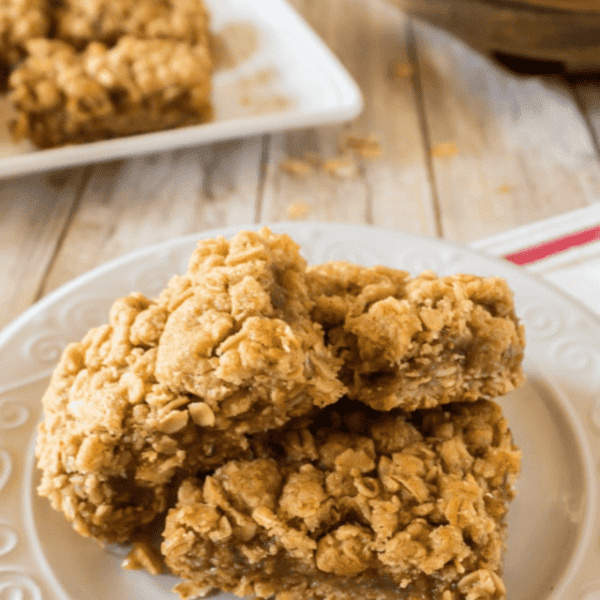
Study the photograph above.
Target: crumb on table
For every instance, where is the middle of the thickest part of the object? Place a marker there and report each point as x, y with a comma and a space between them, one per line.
366, 146
296, 167
444, 150
297, 210
342, 167
402, 70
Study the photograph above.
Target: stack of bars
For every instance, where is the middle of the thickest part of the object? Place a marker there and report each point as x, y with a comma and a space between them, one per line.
303, 433
84, 70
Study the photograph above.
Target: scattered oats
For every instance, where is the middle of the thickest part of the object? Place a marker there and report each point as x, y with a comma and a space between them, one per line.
233, 44
257, 92
342, 167
402, 70
444, 150
296, 167
366, 147
297, 210
265, 76
259, 79
262, 104
315, 159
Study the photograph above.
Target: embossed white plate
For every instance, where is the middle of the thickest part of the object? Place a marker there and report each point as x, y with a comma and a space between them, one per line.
554, 524
285, 77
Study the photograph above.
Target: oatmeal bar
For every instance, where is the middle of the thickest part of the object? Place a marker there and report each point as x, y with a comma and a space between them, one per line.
65, 96
81, 21
172, 387
417, 343
389, 507
20, 20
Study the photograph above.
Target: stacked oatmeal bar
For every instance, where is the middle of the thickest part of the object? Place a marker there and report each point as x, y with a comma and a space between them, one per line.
308, 433
95, 69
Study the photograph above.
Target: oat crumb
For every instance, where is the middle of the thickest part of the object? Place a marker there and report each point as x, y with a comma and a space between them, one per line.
342, 167
403, 70
366, 147
505, 189
297, 210
444, 150
143, 556
314, 159
296, 167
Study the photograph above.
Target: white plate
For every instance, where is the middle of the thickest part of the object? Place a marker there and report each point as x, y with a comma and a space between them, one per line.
289, 80
554, 525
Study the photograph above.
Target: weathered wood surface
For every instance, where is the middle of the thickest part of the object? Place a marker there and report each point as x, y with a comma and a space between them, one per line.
468, 149
521, 149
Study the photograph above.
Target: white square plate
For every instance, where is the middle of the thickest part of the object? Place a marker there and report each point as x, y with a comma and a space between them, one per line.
287, 78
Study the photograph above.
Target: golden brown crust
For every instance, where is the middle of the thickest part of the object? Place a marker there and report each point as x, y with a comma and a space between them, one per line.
393, 506
414, 343
65, 96
171, 387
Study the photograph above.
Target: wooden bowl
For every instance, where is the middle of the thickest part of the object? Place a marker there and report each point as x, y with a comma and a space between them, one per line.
565, 32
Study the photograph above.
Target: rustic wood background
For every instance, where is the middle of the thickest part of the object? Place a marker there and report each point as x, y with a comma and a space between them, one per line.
468, 149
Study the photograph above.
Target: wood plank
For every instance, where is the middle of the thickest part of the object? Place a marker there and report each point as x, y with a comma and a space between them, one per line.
392, 190
34, 211
130, 204
507, 149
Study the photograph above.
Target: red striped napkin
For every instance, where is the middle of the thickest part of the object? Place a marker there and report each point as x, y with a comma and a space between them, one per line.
564, 250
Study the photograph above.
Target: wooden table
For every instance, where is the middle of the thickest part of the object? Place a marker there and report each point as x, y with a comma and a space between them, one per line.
469, 149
